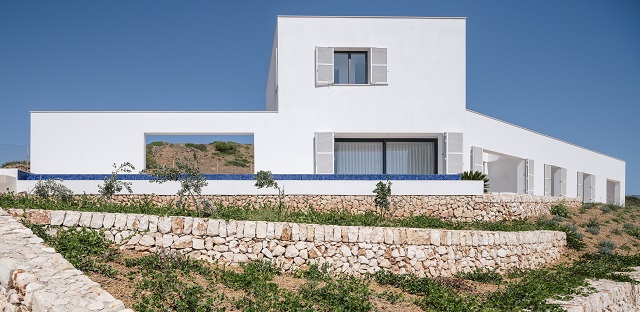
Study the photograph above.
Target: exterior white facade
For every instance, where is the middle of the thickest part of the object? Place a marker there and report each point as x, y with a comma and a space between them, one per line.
416, 90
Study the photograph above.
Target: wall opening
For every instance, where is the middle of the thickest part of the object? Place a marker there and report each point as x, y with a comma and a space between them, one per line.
586, 187
211, 153
506, 173
613, 192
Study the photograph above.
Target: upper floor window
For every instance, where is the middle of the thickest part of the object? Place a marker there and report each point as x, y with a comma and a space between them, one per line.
350, 66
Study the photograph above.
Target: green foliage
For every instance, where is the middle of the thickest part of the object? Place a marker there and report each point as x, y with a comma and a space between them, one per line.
228, 148
482, 276
112, 185
167, 284
593, 230
156, 143
20, 164
631, 201
264, 179
238, 162
606, 247
632, 230
560, 210
190, 178
476, 176
87, 250
343, 293
593, 222
610, 207
52, 188
200, 147
383, 191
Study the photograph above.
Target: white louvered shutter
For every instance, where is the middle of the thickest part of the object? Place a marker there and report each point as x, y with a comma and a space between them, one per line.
547, 180
324, 152
378, 68
529, 171
563, 182
592, 188
324, 66
581, 185
453, 152
476, 159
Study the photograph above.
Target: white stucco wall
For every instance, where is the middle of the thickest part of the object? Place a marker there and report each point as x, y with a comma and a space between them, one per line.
499, 136
425, 97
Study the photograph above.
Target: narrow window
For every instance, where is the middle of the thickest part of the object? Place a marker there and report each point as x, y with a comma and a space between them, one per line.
350, 68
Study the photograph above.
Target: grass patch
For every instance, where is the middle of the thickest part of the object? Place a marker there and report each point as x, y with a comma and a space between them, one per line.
200, 147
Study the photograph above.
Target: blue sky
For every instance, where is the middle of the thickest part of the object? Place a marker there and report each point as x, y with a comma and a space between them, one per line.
569, 69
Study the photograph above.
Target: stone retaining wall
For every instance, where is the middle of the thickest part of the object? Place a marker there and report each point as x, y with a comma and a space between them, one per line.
489, 207
34, 277
350, 249
608, 296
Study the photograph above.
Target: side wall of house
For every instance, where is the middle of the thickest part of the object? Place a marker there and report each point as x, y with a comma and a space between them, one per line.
498, 136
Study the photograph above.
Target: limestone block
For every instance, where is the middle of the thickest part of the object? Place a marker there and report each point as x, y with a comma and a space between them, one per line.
147, 240
85, 219
177, 225
250, 229
213, 227
143, 224
57, 217
187, 225
97, 220
198, 243
199, 227
72, 218
164, 225
261, 229
153, 224
107, 221
120, 222
182, 242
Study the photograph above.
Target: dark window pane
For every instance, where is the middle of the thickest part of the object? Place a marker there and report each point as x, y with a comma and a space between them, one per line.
358, 68
341, 68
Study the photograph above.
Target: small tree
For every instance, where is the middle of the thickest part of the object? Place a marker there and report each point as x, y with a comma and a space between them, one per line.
265, 179
383, 191
190, 177
478, 176
52, 188
112, 185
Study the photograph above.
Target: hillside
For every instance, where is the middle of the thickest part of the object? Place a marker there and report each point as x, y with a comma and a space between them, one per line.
215, 157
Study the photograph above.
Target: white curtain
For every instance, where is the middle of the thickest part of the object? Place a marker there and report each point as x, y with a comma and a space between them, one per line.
358, 157
410, 158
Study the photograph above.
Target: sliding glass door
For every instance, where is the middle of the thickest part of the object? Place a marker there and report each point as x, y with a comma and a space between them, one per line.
385, 156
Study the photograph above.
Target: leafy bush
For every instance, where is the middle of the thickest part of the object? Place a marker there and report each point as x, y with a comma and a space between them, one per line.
228, 148
606, 247
87, 250
264, 179
476, 176
238, 162
593, 222
482, 276
593, 230
190, 178
112, 185
200, 147
560, 210
52, 188
610, 207
383, 191
632, 230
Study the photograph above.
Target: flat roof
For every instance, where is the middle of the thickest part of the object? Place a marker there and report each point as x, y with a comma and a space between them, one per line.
389, 17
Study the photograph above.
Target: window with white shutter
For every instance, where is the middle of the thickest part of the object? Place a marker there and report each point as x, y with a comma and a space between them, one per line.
547, 180
378, 66
529, 166
592, 188
453, 151
324, 152
476, 159
581, 185
563, 182
324, 66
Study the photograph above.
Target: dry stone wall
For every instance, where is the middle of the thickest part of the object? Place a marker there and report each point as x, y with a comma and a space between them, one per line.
34, 277
608, 296
350, 249
489, 207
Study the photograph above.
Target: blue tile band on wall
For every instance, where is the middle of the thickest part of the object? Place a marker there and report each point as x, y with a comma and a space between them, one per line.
324, 177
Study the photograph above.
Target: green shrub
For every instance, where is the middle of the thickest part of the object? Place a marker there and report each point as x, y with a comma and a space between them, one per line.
238, 162
631, 229
264, 179
606, 247
560, 210
112, 185
593, 230
383, 191
482, 276
200, 147
190, 178
52, 188
476, 176
228, 148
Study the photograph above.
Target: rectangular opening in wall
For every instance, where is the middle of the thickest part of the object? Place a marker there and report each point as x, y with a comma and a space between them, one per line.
211, 153
613, 192
385, 156
506, 173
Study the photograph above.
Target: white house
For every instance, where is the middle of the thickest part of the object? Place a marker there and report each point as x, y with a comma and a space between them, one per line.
351, 95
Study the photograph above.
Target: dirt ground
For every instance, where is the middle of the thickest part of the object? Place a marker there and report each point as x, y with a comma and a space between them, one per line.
210, 161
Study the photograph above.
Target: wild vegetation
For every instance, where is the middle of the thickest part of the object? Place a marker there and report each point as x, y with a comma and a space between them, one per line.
214, 157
